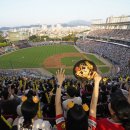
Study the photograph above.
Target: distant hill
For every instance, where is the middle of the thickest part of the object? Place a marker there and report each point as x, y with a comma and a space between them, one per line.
77, 23
73, 23
4, 28
17, 27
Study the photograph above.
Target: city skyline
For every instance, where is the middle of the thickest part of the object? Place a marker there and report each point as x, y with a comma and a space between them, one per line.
27, 12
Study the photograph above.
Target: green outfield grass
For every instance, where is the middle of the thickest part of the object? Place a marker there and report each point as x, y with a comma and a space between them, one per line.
35, 56
104, 69
32, 57
95, 59
70, 61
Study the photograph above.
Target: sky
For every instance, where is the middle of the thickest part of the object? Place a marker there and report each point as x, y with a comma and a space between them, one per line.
26, 12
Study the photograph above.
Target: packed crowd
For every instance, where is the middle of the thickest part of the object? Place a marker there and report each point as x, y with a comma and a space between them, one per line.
13, 47
22, 45
28, 103
118, 34
118, 55
33, 44
22, 72
7, 49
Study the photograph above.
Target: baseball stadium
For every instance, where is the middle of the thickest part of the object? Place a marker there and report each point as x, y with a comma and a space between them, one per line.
65, 76
102, 46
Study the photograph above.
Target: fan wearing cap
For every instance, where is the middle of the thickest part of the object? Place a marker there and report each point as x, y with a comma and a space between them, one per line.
71, 92
29, 119
77, 118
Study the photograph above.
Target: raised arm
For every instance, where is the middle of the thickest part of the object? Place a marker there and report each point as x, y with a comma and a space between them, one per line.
60, 78
94, 100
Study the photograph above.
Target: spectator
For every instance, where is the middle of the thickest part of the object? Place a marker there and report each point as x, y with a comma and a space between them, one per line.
120, 114
76, 116
30, 120
71, 92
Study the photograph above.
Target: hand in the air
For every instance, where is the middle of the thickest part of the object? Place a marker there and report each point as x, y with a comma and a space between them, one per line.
97, 77
60, 75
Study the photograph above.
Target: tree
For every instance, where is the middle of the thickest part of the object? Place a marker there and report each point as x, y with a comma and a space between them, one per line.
44, 37
75, 39
33, 37
2, 39
70, 37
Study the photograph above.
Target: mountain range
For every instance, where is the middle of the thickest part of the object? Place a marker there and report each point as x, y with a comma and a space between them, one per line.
73, 23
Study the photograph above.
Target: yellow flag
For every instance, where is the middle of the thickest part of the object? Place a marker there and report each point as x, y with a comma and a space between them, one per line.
6, 122
39, 113
20, 83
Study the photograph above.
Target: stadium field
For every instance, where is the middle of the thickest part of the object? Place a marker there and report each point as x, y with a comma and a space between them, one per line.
50, 57
70, 61
95, 59
104, 69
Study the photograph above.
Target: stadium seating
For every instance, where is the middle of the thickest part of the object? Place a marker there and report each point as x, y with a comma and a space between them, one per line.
116, 54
